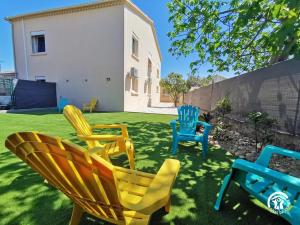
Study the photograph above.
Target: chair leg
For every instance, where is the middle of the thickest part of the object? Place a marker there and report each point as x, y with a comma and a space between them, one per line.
204, 149
222, 191
168, 206
76, 215
174, 146
130, 155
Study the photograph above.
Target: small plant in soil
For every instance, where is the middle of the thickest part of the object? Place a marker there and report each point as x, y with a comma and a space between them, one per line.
223, 106
263, 128
206, 117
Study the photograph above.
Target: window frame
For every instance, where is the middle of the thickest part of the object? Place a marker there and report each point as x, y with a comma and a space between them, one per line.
135, 46
41, 78
35, 42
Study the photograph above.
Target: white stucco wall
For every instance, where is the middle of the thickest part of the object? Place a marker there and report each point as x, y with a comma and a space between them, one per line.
86, 45
134, 24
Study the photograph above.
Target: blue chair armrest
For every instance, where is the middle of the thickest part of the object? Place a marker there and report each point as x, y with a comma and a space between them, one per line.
280, 178
269, 150
207, 127
173, 124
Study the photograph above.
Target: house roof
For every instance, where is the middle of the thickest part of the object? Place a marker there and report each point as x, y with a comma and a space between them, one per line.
88, 6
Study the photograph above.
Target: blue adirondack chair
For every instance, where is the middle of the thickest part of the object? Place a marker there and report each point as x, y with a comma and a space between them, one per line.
188, 120
260, 181
62, 103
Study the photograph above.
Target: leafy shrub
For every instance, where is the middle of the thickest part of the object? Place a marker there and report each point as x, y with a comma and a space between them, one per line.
263, 128
223, 106
206, 117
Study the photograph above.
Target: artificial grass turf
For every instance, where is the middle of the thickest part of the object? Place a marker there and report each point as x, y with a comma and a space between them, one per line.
26, 199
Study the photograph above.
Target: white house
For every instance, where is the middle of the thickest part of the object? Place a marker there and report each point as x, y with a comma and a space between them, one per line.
106, 49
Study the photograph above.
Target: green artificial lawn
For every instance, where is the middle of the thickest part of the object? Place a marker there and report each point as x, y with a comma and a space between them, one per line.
26, 199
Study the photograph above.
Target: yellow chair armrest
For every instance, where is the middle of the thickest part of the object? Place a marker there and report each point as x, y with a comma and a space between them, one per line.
101, 137
97, 150
123, 128
158, 193
100, 151
133, 172
107, 126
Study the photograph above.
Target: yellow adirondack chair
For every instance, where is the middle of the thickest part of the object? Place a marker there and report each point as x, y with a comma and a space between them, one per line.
90, 106
114, 194
121, 145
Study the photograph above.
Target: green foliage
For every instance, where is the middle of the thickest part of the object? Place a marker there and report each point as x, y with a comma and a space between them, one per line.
239, 35
217, 131
175, 85
206, 117
223, 106
263, 126
196, 81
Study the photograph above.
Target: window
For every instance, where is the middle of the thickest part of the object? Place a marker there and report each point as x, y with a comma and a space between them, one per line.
40, 78
134, 81
145, 87
157, 73
38, 42
135, 86
157, 89
135, 47
149, 67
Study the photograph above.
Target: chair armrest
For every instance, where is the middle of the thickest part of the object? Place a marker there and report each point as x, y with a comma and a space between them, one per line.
159, 191
280, 178
100, 151
269, 150
101, 137
107, 126
173, 124
123, 128
207, 127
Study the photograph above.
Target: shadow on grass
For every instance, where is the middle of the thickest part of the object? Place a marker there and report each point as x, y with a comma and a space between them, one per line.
193, 196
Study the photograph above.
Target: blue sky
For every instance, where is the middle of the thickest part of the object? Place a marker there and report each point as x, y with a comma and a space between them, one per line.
156, 9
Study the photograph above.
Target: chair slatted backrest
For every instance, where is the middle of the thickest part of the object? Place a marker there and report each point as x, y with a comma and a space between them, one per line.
188, 117
63, 102
86, 179
93, 103
79, 123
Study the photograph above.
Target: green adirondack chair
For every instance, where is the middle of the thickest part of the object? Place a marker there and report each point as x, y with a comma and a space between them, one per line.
260, 181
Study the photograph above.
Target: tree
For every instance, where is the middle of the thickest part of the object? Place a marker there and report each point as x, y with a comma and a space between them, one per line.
175, 85
196, 81
239, 35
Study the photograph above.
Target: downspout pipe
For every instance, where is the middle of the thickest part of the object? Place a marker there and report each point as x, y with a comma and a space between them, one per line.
25, 50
